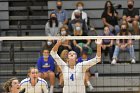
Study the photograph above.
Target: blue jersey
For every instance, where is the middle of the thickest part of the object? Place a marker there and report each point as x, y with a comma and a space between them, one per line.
80, 59
44, 66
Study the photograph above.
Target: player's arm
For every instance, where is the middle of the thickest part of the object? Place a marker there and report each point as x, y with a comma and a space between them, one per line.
97, 59
98, 54
55, 56
56, 46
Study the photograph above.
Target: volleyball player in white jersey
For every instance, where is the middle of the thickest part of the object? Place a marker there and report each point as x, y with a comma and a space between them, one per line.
74, 73
34, 84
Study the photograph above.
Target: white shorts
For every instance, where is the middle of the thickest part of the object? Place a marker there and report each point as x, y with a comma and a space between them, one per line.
73, 89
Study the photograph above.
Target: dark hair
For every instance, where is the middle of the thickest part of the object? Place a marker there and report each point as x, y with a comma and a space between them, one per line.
8, 84
85, 51
127, 30
126, 33
65, 27
46, 47
50, 21
59, 1
29, 70
79, 3
112, 8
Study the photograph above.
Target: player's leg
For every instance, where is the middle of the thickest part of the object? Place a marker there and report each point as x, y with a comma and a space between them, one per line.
42, 75
61, 80
52, 80
45, 75
59, 75
87, 82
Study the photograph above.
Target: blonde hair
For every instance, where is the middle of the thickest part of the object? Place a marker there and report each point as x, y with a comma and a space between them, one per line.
29, 70
8, 84
62, 55
124, 22
81, 31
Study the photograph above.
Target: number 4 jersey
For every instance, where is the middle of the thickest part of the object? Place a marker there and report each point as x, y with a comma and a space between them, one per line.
73, 78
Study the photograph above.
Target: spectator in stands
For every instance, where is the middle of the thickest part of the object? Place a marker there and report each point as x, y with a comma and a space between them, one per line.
12, 86
84, 57
131, 14
48, 45
110, 17
64, 57
124, 44
34, 84
66, 44
78, 45
80, 7
74, 21
46, 68
64, 31
107, 44
62, 15
52, 26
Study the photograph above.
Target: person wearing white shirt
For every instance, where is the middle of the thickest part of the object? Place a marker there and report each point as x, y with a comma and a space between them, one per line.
34, 84
73, 73
80, 6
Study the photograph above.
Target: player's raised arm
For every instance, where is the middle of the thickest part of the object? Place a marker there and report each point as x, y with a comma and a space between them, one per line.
56, 57
56, 46
98, 54
97, 59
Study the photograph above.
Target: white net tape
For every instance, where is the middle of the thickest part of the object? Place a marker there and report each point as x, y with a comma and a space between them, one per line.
136, 37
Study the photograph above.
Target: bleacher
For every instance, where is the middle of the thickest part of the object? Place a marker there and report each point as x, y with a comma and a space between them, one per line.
28, 18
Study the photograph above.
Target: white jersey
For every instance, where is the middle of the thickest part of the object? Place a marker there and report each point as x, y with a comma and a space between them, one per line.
73, 78
40, 87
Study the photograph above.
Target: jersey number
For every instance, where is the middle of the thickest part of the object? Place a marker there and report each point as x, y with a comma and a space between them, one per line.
72, 77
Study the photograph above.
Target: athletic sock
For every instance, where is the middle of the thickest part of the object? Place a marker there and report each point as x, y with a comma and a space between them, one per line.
90, 86
51, 89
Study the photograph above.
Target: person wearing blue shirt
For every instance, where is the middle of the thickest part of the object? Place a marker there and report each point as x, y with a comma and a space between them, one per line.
62, 15
80, 59
108, 44
46, 68
84, 57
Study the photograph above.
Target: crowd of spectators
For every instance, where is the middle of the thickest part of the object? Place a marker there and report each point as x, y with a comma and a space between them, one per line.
77, 26
59, 25
114, 25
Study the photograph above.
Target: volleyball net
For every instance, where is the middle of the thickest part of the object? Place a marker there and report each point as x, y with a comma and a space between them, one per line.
120, 77
135, 37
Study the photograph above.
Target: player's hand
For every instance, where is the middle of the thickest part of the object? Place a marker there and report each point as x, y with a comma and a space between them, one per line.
59, 42
98, 41
62, 39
